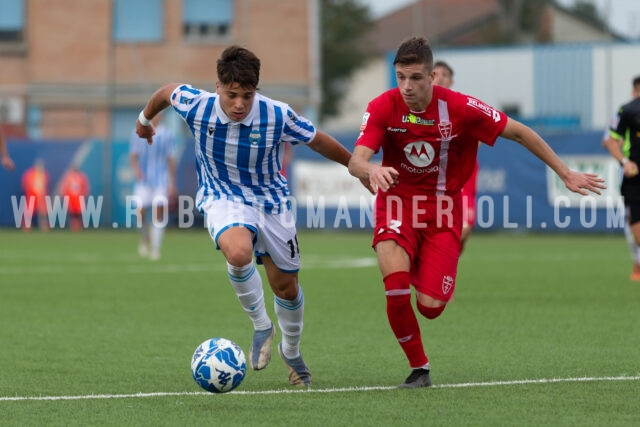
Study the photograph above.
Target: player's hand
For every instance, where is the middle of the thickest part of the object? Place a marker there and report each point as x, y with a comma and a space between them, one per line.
383, 177
8, 164
630, 169
145, 132
582, 183
367, 184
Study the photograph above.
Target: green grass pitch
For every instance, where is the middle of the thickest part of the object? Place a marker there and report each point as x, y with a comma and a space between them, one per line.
544, 330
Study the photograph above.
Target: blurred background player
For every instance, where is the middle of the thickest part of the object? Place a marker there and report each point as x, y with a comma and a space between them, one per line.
623, 142
443, 76
35, 184
75, 186
7, 163
154, 167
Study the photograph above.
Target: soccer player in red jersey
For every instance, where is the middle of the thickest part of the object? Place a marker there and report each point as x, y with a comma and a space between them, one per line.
75, 186
35, 183
429, 139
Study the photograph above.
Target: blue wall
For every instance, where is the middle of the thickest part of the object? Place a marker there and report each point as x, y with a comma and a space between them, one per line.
522, 179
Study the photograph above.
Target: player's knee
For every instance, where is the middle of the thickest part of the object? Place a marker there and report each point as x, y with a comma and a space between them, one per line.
430, 312
397, 288
238, 255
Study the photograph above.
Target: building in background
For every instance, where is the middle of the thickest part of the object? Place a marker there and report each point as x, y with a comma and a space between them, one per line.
556, 74
78, 69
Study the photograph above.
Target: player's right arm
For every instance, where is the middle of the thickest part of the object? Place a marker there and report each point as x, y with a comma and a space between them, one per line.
7, 163
361, 166
614, 145
160, 100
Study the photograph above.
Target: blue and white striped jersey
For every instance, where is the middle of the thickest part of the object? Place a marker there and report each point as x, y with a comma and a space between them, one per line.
153, 159
241, 160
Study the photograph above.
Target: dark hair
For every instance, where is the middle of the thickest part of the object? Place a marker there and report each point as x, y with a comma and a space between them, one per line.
239, 65
636, 82
415, 50
443, 65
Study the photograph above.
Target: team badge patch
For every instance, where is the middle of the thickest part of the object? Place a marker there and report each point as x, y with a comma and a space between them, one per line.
254, 137
445, 129
447, 284
365, 119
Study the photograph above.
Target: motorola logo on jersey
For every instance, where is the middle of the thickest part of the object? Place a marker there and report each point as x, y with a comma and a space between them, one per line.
419, 153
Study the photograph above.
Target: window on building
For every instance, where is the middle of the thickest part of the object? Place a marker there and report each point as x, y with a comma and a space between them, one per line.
207, 19
138, 20
11, 20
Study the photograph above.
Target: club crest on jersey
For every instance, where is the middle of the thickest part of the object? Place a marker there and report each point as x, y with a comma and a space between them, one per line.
445, 129
254, 137
419, 153
447, 284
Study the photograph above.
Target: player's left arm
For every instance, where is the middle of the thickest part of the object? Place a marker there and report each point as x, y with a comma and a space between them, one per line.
577, 182
160, 100
329, 147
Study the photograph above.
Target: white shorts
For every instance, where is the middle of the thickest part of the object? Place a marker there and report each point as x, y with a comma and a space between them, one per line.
274, 234
149, 196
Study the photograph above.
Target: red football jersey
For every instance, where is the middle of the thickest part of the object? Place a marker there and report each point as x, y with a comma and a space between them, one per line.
435, 150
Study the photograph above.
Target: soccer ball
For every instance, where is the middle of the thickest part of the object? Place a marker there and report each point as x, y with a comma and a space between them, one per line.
218, 365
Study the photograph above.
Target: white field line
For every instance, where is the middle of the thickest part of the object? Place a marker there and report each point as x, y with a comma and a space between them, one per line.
323, 390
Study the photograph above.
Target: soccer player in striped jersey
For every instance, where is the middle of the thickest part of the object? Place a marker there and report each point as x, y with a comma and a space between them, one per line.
240, 138
429, 139
155, 170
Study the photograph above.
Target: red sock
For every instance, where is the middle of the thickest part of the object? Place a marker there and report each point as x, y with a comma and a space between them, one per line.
402, 318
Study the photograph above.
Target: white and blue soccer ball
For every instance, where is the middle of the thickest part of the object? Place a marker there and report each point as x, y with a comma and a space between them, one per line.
218, 365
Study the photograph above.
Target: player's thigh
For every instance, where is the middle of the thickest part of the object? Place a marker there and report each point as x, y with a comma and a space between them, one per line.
392, 257
436, 265
277, 238
142, 197
232, 228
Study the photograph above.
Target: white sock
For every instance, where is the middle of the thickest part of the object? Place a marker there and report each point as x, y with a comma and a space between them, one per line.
289, 315
247, 283
144, 230
155, 238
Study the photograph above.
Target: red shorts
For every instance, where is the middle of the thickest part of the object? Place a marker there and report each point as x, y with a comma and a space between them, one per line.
430, 234
469, 199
